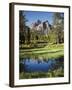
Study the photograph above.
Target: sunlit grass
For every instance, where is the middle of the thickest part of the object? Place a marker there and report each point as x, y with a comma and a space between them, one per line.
47, 47
49, 51
45, 53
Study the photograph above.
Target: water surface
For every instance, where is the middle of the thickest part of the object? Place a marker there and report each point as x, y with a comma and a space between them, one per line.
41, 65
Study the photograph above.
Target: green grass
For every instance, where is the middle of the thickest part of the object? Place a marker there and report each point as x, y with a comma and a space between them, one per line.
49, 51
43, 55
47, 47
55, 73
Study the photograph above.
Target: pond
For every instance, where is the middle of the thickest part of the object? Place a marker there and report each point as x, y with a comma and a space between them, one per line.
41, 65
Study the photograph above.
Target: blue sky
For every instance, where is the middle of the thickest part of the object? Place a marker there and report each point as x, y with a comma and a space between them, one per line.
33, 16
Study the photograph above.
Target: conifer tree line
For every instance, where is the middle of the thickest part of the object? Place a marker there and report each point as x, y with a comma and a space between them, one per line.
55, 35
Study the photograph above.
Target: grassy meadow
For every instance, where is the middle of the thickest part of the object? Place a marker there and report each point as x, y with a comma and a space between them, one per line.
48, 52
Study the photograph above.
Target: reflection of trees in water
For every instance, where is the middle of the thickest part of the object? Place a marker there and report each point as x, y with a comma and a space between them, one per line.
39, 57
21, 67
53, 64
59, 64
61, 59
36, 57
39, 61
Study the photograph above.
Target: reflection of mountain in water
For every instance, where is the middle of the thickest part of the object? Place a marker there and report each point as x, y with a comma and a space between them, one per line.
32, 65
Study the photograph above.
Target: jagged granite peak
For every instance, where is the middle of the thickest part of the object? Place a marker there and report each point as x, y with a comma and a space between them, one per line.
43, 27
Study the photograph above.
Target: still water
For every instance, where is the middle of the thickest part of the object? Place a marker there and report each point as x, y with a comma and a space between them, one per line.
41, 65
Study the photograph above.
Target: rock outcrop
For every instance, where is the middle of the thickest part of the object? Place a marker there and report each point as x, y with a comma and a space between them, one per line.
42, 27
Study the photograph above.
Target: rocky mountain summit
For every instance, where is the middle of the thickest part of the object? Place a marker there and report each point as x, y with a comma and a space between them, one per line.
42, 27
